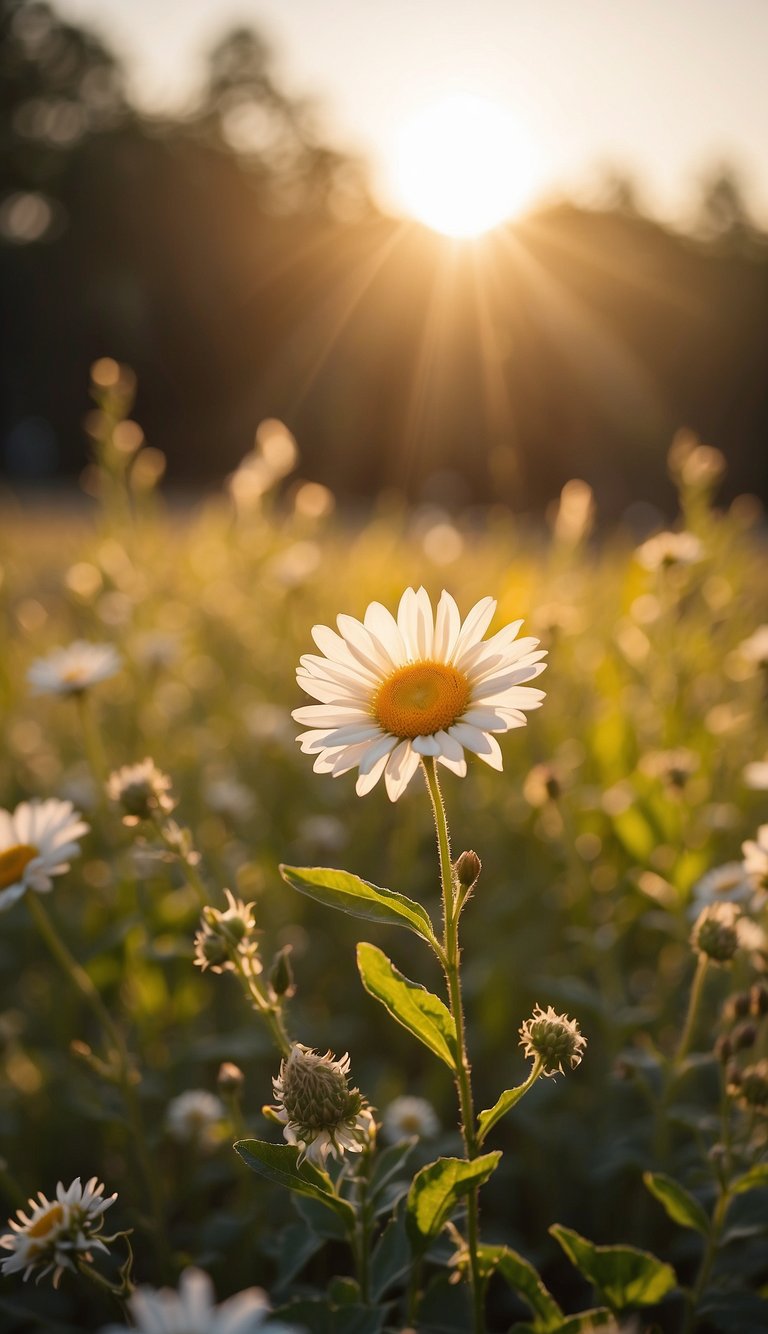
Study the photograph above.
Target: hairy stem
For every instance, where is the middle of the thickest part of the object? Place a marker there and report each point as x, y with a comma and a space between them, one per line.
452, 970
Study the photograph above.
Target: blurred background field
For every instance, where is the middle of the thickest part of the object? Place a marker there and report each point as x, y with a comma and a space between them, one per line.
247, 383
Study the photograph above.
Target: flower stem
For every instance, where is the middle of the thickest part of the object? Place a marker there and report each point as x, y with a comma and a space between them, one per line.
119, 1057
686, 1036
271, 1013
451, 968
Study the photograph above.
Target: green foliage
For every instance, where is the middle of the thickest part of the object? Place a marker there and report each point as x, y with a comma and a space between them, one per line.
409, 1003
623, 1275
680, 1205
521, 1276
339, 889
436, 1191
279, 1163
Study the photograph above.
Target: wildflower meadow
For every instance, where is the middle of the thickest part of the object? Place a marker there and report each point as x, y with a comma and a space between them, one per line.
384, 908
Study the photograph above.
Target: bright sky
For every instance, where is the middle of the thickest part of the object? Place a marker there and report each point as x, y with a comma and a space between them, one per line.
663, 88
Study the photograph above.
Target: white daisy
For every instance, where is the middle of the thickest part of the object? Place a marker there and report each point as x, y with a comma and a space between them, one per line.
57, 1232
192, 1310
195, 1117
667, 549
406, 1116
71, 670
394, 690
36, 843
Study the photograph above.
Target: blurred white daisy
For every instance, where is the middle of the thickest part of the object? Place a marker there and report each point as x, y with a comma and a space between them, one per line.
406, 1116
70, 670
36, 843
194, 1117
56, 1233
756, 857
143, 791
192, 1310
666, 549
755, 649
320, 1113
394, 690
755, 775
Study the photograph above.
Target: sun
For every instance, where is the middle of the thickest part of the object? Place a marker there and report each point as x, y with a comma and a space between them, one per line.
462, 165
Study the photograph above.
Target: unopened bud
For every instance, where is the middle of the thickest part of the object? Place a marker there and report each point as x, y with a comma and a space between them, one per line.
715, 933
553, 1039
230, 1077
753, 1088
467, 869
737, 1006
744, 1036
758, 999
281, 977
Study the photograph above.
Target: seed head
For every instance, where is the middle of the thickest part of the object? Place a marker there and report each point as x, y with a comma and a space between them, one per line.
715, 933
552, 1038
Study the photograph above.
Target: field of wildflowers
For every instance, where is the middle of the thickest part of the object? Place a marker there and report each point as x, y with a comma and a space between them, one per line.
185, 968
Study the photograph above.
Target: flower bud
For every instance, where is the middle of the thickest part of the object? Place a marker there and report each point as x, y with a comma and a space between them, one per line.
744, 1036
758, 999
281, 977
723, 1049
467, 869
552, 1039
230, 1078
737, 1006
315, 1091
753, 1086
142, 790
715, 934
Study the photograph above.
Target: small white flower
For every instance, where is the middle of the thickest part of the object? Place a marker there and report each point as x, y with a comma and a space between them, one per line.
321, 1114
756, 857
755, 649
393, 690
71, 670
55, 1233
36, 843
192, 1310
194, 1117
142, 790
666, 549
755, 775
723, 884
406, 1116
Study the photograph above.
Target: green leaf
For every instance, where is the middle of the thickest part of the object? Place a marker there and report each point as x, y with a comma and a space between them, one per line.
754, 1179
623, 1275
509, 1098
339, 889
409, 1003
279, 1163
388, 1164
436, 1190
524, 1280
680, 1205
391, 1258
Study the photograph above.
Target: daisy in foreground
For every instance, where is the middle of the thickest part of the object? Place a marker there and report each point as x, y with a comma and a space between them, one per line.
58, 1233
36, 843
191, 1310
394, 690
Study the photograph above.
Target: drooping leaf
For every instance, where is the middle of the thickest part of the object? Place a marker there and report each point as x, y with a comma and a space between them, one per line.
524, 1280
359, 898
436, 1190
754, 1179
623, 1275
680, 1205
409, 1003
279, 1163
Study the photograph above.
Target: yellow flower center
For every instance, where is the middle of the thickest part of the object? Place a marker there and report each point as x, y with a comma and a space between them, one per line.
421, 698
13, 861
46, 1222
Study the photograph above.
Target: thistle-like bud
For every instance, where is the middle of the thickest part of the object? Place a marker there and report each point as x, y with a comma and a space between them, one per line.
553, 1039
752, 1086
467, 870
142, 790
227, 937
744, 1036
321, 1114
737, 1006
715, 933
